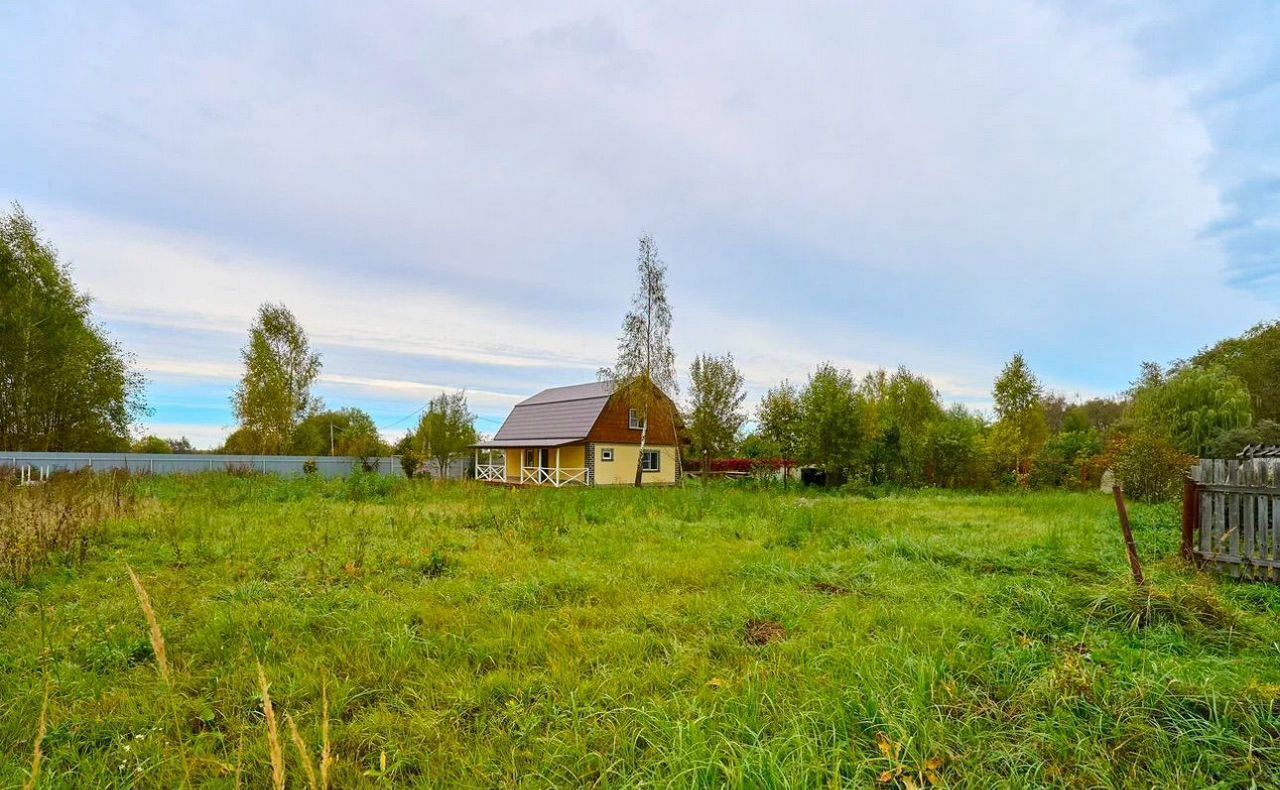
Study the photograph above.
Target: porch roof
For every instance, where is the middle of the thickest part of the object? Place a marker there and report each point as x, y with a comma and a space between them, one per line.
518, 443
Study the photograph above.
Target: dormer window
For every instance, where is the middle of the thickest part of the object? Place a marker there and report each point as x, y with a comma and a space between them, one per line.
634, 420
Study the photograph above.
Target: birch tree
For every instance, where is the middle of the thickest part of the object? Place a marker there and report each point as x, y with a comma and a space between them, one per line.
645, 369
279, 369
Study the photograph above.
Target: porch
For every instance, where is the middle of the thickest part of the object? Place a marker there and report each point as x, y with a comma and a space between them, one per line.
557, 467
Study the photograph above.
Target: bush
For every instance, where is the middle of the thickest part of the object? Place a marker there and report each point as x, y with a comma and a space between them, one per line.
1148, 466
310, 467
1228, 444
411, 463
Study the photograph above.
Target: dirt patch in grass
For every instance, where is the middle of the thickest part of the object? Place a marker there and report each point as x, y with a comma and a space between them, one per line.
826, 588
763, 632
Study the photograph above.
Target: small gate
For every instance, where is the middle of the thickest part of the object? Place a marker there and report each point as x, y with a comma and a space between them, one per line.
1231, 518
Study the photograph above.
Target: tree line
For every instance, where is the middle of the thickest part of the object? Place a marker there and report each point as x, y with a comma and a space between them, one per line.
65, 385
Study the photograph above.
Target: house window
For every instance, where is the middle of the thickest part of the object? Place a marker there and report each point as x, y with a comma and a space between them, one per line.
634, 420
530, 457
651, 461
606, 453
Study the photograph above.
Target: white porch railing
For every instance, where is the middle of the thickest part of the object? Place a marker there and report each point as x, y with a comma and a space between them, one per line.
493, 473
550, 476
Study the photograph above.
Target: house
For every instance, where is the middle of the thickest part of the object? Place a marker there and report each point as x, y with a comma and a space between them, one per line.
583, 434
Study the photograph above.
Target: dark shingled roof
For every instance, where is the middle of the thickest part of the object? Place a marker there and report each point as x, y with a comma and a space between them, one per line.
560, 415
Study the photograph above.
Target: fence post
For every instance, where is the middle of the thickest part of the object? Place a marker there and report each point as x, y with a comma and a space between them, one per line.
1190, 516
1134, 564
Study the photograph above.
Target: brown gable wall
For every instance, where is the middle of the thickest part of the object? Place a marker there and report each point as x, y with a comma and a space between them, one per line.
613, 425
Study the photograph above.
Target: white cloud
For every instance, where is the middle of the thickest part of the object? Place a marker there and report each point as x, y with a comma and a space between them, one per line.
870, 184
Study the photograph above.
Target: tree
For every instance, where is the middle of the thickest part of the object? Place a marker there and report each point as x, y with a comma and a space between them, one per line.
833, 416
954, 450
1192, 406
1021, 429
715, 407
1254, 358
1229, 443
349, 432
446, 430
64, 384
275, 393
901, 406
1098, 414
181, 445
151, 444
645, 370
779, 418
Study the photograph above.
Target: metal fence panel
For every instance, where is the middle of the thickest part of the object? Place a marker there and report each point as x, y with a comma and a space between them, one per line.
190, 463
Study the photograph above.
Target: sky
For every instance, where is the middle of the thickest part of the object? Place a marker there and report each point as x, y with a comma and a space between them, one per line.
449, 195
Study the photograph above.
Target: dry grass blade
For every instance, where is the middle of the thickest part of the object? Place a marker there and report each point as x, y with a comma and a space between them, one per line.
301, 746
273, 731
37, 756
157, 636
325, 757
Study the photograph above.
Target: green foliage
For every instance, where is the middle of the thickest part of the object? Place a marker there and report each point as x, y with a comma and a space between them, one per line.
595, 637
242, 441
1229, 443
349, 432
756, 445
1191, 407
279, 369
1066, 460
833, 421
1098, 414
1021, 427
411, 462
901, 409
64, 384
715, 413
151, 444
646, 365
447, 429
1148, 465
781, 422
1254, 358
954, 450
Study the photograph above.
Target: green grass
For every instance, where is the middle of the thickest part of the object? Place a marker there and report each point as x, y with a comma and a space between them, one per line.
483, 637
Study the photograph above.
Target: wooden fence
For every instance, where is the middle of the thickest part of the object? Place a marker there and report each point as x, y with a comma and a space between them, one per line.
1231, 518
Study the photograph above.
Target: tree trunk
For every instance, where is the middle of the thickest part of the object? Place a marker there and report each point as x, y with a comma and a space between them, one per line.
706, 465
644, 434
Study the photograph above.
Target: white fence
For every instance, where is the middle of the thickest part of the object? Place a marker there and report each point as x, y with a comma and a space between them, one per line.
190, 463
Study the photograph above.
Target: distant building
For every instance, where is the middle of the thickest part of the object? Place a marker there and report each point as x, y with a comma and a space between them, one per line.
583, 434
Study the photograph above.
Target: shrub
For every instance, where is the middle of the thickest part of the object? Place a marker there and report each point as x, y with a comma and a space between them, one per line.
310, 467
1148, 466
411, 463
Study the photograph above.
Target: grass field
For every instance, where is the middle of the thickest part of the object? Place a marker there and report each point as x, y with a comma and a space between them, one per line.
458, 635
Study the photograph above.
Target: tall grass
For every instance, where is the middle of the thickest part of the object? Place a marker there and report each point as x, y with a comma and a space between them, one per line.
59, 518
467, 636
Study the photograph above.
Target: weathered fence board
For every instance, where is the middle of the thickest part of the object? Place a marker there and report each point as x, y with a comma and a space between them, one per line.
1235, 507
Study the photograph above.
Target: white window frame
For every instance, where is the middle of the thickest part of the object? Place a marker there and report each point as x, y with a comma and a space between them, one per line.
633, 420
606, 454
656, 455
530, 457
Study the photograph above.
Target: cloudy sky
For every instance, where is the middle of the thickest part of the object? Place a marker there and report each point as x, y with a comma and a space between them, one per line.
449, 195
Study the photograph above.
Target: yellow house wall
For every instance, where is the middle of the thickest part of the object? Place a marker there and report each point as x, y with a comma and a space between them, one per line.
622, 469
